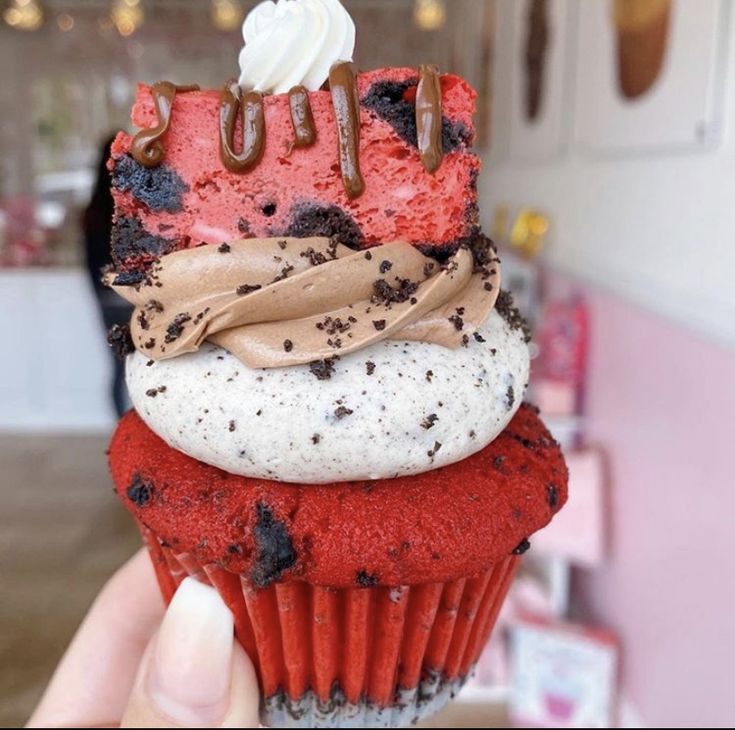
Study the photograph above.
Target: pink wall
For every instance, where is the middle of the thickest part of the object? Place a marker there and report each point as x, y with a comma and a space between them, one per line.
662, 402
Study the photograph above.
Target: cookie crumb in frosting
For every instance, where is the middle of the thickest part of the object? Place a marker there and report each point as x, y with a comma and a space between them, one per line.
431, 454
120, 340
457, 321
379, 324
323, 369
176, 328
505, 307
384, 293
246, 289
342, 412
429, 421
287, 345
143, 320
370, 366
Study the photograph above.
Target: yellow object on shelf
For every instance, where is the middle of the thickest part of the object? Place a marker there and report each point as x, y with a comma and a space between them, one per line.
526, 234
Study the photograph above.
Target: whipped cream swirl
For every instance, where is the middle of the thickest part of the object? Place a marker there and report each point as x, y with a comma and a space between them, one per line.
294, 42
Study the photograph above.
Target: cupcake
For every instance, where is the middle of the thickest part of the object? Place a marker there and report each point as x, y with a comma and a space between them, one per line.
327, 377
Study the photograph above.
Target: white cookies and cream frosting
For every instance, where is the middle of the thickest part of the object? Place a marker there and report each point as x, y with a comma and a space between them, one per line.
392, 408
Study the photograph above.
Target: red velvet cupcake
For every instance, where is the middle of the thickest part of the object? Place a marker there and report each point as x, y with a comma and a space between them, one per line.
327, 377
371, 627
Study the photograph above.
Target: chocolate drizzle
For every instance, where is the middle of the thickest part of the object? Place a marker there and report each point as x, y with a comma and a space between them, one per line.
302, 119
250, 107
147, 148
429, 118
347, 112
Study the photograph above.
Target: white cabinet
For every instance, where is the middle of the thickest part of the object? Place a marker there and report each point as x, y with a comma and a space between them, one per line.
54, 364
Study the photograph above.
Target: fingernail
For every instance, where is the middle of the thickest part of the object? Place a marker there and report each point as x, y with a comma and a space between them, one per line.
190, 672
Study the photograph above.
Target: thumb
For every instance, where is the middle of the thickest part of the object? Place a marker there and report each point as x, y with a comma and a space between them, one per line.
193, 672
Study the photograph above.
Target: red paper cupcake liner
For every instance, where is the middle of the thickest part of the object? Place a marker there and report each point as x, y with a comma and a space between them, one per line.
351, 657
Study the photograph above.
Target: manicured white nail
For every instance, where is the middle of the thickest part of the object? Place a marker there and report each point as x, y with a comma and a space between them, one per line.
191, 667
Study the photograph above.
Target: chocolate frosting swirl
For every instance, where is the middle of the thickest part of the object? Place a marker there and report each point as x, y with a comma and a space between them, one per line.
287, 301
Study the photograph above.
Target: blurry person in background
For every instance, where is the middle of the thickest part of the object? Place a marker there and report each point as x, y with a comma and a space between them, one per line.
97, 227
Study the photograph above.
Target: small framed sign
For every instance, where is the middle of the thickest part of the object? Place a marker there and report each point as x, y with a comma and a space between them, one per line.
563, 675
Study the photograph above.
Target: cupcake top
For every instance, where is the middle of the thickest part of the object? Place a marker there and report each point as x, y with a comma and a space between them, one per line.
382, 347
454, 521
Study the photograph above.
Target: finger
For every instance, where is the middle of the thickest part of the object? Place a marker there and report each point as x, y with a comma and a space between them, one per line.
92, 683
193, 673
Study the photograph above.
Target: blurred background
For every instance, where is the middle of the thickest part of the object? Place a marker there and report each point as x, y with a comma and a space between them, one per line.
607, 132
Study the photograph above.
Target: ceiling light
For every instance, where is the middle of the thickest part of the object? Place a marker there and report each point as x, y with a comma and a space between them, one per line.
128, 16
65, 22
227, 15
24, 15
430, 14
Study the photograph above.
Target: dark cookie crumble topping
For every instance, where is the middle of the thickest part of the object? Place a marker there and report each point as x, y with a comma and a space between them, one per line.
140, 491
429, 421
120, 340
367, 580
433, 452
323, 369
245, 289
276, 552
384, 293
505, 307
523, 547
176, 328
457, 321
552, 496
510, 398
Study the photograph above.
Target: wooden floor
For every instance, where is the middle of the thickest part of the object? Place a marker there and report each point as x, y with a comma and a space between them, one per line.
62, 533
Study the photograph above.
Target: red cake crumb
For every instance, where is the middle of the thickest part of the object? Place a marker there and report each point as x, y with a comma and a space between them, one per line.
192, 199
454, 521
